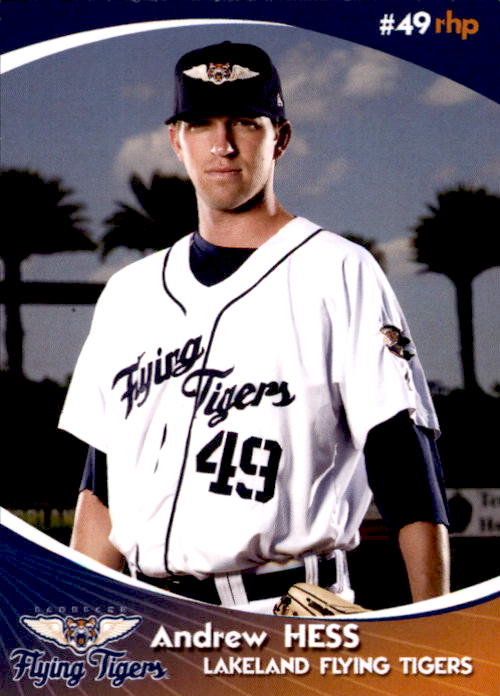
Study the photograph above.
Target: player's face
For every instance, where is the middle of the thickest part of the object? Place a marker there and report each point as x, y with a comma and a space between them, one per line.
230, 160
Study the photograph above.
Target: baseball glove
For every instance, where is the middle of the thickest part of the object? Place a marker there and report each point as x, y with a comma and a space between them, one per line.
304, 599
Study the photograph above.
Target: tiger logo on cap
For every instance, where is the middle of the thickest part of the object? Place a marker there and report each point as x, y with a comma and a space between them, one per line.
218, 73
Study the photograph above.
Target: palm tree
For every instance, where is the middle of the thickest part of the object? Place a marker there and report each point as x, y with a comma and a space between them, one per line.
168, 212
461, 239
42, 222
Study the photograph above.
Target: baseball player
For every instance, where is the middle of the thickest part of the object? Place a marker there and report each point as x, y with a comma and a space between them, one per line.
233, 386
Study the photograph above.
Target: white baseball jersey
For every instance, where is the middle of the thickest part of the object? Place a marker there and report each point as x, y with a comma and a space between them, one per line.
234, 416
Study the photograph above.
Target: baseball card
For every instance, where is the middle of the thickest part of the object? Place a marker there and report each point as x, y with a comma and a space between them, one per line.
249, 348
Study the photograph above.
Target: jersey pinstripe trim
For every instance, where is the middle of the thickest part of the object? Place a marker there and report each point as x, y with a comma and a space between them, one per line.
164, 283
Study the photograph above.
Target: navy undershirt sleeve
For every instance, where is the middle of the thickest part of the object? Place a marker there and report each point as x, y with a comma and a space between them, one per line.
405, 474
95, 475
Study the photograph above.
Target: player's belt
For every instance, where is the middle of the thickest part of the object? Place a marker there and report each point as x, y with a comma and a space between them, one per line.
257, 586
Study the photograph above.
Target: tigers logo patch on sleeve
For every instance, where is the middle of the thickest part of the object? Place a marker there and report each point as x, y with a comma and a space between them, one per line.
397, 342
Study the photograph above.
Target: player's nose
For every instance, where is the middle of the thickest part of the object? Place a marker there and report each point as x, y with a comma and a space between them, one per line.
223, 142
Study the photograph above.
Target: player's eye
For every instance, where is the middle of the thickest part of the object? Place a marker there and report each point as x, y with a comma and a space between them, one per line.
198, 123
247, 123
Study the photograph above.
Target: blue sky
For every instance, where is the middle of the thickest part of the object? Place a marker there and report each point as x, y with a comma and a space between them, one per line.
374, 138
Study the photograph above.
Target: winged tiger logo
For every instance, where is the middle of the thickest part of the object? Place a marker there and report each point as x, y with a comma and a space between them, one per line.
218, 73
397, 342
80, 634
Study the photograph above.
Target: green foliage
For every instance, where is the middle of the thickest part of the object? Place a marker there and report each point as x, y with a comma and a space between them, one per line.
167, 212
461, 237
40, 219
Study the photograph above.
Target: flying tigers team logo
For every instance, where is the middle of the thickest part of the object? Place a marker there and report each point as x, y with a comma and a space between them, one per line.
397, 342
79, 635
218, 73
88, 638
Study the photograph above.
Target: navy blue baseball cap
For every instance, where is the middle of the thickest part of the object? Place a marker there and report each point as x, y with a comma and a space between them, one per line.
227, 79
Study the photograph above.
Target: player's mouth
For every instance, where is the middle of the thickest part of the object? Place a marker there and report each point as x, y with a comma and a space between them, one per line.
223, 172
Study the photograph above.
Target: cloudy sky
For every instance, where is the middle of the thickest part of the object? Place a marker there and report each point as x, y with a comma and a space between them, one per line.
374, 139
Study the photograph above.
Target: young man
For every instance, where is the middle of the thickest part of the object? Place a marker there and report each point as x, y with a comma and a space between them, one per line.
233, 385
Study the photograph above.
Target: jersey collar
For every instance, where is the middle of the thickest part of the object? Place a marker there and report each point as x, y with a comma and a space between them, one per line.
193, 296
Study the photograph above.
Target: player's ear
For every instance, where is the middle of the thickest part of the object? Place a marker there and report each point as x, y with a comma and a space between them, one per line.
283, 135
173, 134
